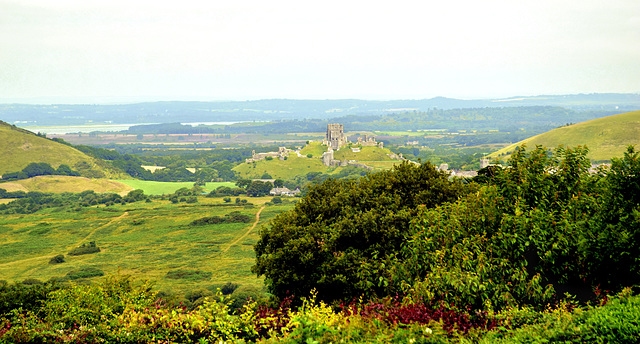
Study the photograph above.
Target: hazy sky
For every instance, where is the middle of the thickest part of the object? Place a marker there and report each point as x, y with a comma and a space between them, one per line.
75, 50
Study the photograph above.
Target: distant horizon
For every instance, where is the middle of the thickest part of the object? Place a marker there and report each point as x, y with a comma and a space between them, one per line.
123, 100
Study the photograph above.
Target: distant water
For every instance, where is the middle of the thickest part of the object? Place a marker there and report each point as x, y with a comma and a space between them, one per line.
87, 128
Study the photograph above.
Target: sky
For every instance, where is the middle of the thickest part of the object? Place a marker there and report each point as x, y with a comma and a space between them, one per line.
79, 51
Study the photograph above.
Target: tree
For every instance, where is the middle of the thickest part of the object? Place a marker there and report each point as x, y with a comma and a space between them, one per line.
278, 183
259, 188
339, 238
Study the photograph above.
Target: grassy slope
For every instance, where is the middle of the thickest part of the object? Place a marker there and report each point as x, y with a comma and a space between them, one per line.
285, 169
164, 188
605, 137
58, 184
146, 240
295, 166
20, 147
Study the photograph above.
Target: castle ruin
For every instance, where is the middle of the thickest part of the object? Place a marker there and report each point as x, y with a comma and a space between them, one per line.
335, 137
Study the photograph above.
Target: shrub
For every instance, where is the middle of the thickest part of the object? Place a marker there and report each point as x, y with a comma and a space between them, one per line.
87, 272
85, 249
57, 259
228, 288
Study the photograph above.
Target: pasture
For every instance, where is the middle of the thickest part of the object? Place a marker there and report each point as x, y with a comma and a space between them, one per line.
154, 241
165, 188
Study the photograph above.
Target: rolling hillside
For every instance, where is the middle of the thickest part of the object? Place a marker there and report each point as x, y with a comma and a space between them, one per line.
20, 147
58, 184
605, 137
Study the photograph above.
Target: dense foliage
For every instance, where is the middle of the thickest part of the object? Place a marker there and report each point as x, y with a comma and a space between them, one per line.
543, 227
39, 169
339, 238
30, 202
120, 310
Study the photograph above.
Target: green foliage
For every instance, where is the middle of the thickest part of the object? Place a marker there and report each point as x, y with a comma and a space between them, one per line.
342, 237
543, 227
87, 272
259, 188
233, 217
57, 259
85, 249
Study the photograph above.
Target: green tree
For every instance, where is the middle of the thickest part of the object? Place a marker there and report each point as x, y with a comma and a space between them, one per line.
342, 237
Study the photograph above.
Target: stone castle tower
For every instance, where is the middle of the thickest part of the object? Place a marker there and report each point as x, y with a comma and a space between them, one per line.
335, 137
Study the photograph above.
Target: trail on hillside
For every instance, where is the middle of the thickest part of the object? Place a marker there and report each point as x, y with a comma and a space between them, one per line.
246, 233
69, 248
98, 228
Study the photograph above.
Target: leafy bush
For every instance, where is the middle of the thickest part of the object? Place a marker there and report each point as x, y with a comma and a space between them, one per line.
57, 259
85, 249
233, 217
87, 272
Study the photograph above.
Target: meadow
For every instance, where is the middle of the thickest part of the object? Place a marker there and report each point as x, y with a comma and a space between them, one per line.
148, 240
165, 188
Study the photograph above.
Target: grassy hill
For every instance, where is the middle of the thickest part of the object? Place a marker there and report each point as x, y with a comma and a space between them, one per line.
58, 184
20, 147
301, 165
283, 169
605, 137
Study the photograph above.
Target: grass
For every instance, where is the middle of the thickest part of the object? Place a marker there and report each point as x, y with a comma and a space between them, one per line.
314, 148
284, 169
165, 188
146, 240
605, 137
365, 154
59, 184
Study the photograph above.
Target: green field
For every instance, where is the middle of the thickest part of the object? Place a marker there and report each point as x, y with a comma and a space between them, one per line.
165, 188
146, 240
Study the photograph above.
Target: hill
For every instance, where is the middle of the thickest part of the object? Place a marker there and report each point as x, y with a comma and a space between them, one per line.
21, 147
605, 137
310, 160
58, 184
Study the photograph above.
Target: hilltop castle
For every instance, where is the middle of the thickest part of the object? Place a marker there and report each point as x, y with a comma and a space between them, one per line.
335, 137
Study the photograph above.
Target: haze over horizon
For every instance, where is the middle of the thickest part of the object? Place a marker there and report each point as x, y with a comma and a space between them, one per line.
74, 51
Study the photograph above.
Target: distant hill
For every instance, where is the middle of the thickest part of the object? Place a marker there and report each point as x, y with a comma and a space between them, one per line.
287, 109
605, 137
19, 147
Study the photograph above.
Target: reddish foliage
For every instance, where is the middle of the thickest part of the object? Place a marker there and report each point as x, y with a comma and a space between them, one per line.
394, 311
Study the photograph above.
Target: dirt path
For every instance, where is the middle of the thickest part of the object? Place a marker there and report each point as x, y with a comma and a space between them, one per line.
49, 256
246, 233
98, 228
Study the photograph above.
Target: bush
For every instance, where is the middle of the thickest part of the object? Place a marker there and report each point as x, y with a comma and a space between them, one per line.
228, 288
57, 259
87, 272
85, 249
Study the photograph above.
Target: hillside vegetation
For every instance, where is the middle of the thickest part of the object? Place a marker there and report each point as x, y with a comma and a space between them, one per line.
606, 137
155, 240
59, 184
21, 147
